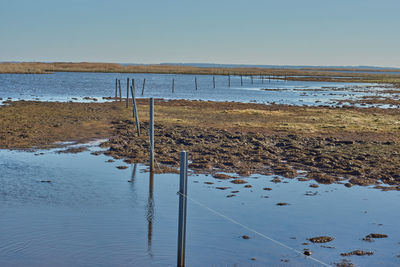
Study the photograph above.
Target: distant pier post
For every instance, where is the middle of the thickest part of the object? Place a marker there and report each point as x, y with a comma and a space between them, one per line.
144, 83
127, 92
120, 92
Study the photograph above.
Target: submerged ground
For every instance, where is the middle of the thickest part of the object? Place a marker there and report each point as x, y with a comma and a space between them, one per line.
344, 145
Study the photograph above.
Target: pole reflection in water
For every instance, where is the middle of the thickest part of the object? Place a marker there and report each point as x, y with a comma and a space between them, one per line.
133, 174
150, 214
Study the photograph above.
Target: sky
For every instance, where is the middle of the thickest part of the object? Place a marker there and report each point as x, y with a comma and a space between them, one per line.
280, 32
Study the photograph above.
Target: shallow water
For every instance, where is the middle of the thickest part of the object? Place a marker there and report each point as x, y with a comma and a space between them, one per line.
65, 86
90, 215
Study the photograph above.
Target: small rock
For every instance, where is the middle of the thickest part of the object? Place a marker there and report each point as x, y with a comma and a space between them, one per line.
307, 252
314, 185
245, 237
267, 188
282, 204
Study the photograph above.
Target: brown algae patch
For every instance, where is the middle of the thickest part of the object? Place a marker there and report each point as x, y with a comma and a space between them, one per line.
321, 239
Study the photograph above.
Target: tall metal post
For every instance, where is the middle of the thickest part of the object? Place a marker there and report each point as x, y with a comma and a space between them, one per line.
182, 209
241, 80
195, 82
151, 134
229, 80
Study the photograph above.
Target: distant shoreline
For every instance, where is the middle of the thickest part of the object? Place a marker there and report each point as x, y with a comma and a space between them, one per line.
306, 74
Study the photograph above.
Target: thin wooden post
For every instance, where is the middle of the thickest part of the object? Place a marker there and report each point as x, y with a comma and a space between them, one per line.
241, 80
251, 79
229, 80
173, 85
269, 78
144, 83
120, 92
134, 107
195, 82
213, 81
182, 209
127, 92
151, 134
116, 88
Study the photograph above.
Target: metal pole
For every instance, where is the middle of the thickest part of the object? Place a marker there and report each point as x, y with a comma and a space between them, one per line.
151, 134
241, 80
127, 92
214, 81
252, 79
229, 80
195, 82
182, 209
173, 85
134, 107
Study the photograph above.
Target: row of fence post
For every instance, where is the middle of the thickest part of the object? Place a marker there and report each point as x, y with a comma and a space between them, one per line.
118, 85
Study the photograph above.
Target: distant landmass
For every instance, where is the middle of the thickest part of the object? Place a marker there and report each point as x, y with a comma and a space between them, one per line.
215, 65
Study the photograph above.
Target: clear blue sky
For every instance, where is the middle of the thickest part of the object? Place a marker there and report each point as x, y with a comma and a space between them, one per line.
294, 32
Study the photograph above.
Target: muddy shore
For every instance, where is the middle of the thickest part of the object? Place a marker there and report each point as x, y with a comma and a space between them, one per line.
353, 146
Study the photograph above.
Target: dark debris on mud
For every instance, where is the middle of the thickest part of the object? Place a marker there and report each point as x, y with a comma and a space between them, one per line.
213, 150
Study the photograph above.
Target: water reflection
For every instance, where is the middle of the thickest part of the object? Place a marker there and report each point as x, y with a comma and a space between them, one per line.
150, 214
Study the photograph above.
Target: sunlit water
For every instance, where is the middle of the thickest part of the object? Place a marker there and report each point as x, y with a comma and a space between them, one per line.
90, 215
67, 86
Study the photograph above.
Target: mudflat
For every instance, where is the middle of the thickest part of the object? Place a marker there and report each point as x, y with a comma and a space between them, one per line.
349, 145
